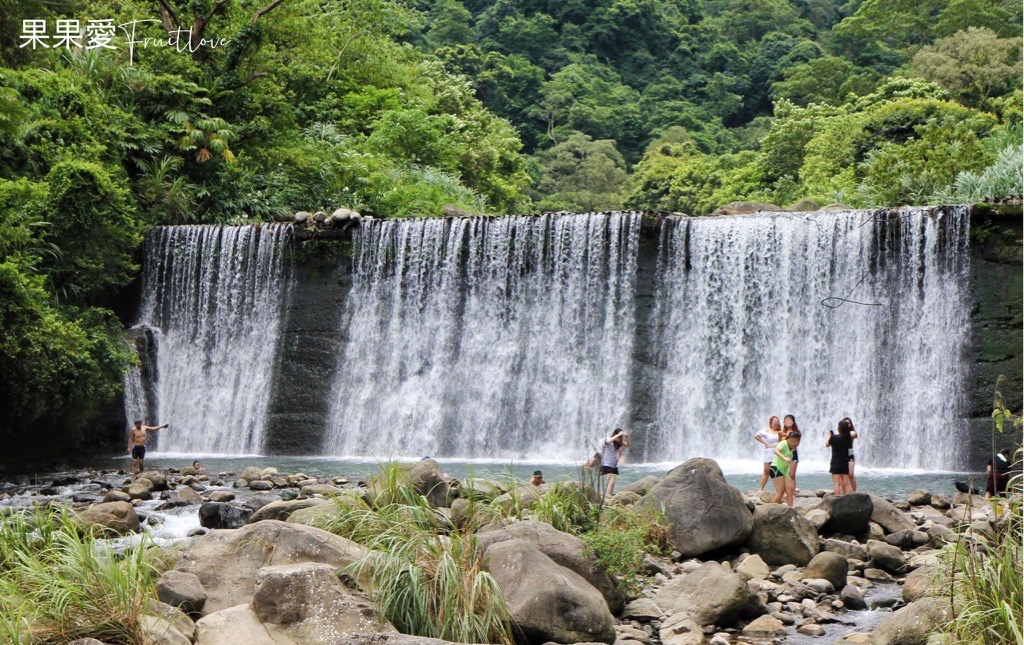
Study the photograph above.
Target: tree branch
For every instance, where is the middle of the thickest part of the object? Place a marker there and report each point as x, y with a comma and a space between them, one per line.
251, 78
168, 17
265, 10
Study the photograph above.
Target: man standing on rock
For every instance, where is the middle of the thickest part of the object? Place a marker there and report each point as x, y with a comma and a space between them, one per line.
137, 444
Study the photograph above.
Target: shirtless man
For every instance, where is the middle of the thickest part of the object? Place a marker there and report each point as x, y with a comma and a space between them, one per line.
137, 444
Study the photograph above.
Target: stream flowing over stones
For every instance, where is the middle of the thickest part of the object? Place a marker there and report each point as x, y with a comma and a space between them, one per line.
532, 336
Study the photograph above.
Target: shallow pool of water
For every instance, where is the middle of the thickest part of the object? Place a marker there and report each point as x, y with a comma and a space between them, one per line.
745, 475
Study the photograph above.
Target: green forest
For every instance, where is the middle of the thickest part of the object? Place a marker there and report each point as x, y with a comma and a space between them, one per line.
249, 110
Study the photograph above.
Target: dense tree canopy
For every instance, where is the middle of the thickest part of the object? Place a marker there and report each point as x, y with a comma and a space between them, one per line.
252, 109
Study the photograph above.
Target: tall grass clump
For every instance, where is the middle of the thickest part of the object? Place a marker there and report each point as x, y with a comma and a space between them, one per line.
425, 577
987, 596
573, 506
58, 584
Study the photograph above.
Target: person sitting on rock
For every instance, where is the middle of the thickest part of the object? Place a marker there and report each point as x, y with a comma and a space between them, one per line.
998, 476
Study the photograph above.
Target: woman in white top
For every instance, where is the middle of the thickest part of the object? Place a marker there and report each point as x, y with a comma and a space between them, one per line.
768, 437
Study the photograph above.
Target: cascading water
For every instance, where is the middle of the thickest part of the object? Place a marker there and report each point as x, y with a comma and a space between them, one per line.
217, 296
487, 337
744, 330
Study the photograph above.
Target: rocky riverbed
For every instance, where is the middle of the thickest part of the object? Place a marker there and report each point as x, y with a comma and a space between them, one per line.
253, 569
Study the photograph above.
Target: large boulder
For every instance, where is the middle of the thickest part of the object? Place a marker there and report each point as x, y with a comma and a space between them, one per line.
214, 515
847, 514
281, 509
912, 624
226, 562
782, 536
430, 482
566, 550
710, 594
250, 473
828, 566
109, 517
890, 518
157, 630
309, 604
704, 512
182, 590
548, 602
157, 478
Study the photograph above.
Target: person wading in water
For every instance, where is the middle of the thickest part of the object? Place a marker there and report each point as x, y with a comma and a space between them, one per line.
137, 444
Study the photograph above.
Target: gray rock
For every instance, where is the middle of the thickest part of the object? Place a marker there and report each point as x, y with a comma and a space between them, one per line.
160, 631
848, 514
919, 497
250, 473
782, 536
765, 625
140, 489
711, 595
182, 590
156, 478
87, 641
924, 582
641, 486
236, 625
853, 597
260, 484
548, 601
890, 518
308, 603
642, 609
116, 496
887, 556
753, 568
817, 517
429, 481
281, 510
848, 550
940, 502
829, 566
812, 629
213, 515
221, 496
680, 629
704, 512
109, 517
188, 495
227, 562
912, 624
566, 550
327, 490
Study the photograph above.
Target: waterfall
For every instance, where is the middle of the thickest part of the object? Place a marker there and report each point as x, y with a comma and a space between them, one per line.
216, 294
821, 315
495, 337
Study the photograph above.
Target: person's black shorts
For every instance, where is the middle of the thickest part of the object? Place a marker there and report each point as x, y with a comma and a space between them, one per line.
851, 457
796, 456
774, 472
609, 470
138, 452
839, 467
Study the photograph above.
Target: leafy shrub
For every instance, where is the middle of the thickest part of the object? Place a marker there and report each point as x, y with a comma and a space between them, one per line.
621, 539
